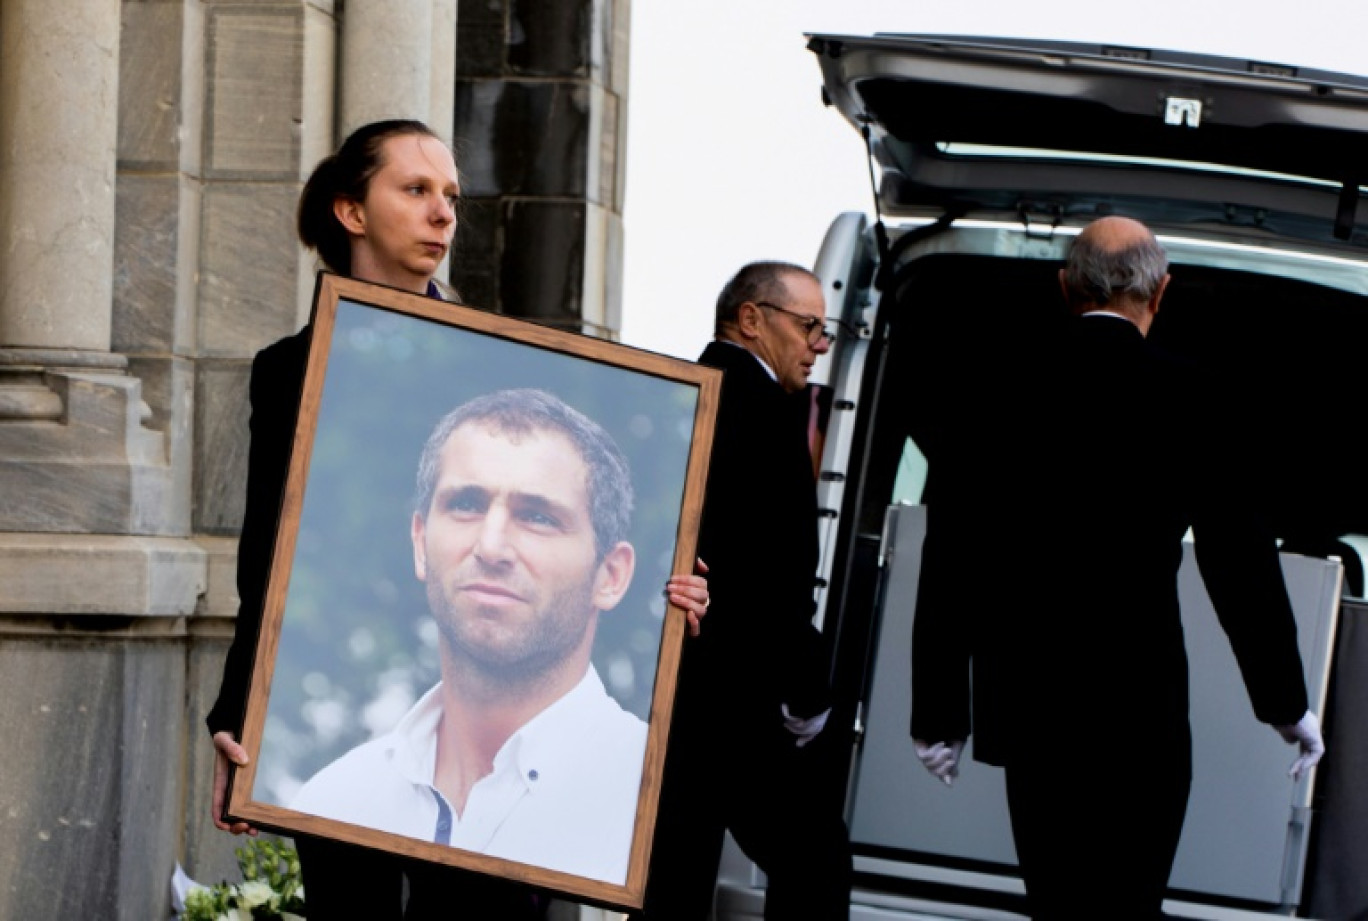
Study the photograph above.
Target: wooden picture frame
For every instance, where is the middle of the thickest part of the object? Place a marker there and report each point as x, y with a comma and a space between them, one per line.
373, 595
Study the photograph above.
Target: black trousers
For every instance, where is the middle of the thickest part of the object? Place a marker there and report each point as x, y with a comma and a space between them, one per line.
783, 805
1096, 831
343, 882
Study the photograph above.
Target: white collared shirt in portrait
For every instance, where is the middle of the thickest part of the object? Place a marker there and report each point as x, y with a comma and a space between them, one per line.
562, 794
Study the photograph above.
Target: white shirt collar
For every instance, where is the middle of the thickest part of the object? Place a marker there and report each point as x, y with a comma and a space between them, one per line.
527, 753
764, 364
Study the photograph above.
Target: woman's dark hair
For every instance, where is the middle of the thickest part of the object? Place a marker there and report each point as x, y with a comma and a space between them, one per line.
345, 174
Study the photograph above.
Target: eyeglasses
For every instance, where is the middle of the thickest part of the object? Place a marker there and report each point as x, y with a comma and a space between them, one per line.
813, 327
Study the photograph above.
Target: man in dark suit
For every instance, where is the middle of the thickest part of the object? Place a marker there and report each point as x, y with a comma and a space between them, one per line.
746, 749
1079, 670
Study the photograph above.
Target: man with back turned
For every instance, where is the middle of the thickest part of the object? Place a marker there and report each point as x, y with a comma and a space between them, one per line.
1079, 670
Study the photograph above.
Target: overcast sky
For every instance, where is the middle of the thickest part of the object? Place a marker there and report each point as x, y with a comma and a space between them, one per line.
732, 157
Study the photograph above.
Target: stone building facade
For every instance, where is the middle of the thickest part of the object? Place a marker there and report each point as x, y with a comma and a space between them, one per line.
151, 153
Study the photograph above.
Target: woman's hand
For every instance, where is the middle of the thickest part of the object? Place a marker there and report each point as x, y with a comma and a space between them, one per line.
691, 594
226, 749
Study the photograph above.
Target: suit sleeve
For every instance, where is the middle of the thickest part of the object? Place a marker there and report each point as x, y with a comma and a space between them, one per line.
1239, 562
941, 649
766, 634
759, 539
274, 397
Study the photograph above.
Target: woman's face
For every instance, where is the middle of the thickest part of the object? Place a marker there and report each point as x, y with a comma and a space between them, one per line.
402, 230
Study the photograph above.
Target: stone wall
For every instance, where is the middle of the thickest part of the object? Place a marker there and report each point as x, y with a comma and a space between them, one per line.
101, 802
541, 133
93, 645
122, 461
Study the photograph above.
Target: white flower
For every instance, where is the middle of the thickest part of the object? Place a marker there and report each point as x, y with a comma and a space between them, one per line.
252, 893
290, 916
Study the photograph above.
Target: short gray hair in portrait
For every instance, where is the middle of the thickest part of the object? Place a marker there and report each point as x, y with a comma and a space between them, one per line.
1096, 275
756, 282
523, 411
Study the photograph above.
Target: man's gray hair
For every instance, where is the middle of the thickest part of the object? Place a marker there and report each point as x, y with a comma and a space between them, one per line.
756, 282
1096, 275
523, 411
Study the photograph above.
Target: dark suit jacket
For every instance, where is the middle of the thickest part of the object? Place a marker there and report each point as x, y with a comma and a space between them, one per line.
1053, 545
276, 382
758, 648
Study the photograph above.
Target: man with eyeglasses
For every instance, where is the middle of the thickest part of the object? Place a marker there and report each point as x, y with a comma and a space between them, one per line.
747, 751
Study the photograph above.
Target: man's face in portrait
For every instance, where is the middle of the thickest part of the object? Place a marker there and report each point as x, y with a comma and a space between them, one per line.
506, 549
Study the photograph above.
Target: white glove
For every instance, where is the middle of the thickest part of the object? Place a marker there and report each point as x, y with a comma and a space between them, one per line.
941, 759
1305, 733
805, 730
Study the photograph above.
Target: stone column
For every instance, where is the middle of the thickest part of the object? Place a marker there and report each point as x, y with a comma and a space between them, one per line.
97, 574
442, 103
540, 100
99, 468
58, 132
386, 62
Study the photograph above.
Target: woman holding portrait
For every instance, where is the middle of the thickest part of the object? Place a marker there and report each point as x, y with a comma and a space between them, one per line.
382, 209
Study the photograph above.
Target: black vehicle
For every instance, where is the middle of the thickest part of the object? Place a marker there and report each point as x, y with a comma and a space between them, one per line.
986, 157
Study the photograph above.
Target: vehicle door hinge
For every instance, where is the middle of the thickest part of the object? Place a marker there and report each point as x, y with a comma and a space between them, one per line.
1179, 110
1297, 824
1348, 207
887, 541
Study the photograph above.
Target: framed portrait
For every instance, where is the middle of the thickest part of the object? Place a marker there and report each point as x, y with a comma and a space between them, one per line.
466, 654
